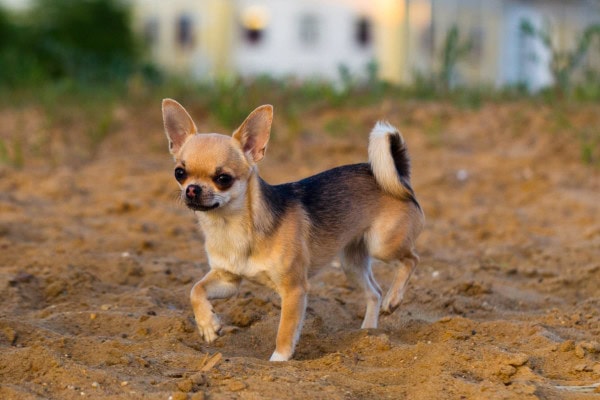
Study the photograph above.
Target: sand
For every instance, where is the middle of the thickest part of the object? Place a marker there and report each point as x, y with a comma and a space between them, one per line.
97, 258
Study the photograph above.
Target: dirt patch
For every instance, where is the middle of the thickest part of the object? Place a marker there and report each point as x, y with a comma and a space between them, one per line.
97, 259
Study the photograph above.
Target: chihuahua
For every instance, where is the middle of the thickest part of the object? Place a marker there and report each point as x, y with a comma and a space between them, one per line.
280, 235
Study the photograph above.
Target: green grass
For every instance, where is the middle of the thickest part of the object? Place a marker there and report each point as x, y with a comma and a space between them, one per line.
589, 142
91, 108
11, 153
338, 126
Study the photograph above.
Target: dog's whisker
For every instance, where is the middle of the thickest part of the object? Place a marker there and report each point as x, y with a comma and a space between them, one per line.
176, 195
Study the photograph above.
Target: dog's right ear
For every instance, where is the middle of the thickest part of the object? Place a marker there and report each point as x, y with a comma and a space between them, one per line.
178, 124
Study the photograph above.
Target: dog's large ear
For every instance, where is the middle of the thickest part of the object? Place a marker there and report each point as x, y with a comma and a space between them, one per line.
254, 132
178, 124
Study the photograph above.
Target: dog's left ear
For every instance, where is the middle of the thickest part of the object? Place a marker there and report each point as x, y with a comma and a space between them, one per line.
254, 132
178, 124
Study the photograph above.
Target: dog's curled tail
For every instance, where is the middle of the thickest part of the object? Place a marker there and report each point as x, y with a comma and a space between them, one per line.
389, 160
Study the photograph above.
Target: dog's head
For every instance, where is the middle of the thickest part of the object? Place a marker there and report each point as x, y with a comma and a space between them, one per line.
213, 169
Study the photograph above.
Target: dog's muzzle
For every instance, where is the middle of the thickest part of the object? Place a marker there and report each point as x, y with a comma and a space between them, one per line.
195, 200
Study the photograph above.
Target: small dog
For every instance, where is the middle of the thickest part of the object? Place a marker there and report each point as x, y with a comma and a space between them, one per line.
280, 235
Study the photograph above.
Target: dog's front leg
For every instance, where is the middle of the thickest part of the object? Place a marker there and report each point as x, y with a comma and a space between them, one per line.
215, 285
293, 306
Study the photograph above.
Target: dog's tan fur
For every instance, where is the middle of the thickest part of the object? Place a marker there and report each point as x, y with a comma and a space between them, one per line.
271, 235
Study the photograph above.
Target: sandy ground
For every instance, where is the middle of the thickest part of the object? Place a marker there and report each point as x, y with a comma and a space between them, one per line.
97, 259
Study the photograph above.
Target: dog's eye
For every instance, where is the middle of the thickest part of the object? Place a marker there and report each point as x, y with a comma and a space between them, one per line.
180, 174
224, 181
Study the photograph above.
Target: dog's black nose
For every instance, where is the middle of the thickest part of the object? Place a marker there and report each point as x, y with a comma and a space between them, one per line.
193, 191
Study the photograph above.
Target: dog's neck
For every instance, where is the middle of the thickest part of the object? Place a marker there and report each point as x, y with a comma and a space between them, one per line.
259, 210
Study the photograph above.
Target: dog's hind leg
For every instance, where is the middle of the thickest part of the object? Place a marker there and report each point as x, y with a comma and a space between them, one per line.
407, 265
356, 263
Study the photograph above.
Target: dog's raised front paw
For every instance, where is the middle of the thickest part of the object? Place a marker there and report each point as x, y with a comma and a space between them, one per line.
209, 330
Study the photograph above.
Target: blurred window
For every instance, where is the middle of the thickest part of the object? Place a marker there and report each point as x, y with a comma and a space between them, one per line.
185, 31
309, 29
476, 39
253, 35
427, 40
254, 20
151, 31
363, 33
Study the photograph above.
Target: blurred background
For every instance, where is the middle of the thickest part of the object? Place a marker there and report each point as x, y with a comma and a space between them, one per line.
77, 63
81, 61
459, 42
499, 102
447, 44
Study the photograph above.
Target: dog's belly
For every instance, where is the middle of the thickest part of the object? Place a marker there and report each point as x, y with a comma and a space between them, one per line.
262, 278
256, 271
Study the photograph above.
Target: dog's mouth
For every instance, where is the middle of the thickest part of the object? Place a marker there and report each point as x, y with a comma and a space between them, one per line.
201, 207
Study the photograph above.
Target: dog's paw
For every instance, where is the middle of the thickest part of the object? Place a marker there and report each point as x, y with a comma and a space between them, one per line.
276, 356
391, 303
209, 330
387, 309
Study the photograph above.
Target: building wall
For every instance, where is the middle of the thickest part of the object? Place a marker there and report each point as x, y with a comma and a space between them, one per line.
501, 54
479, 24
305, 38
420, 41
312, 38
392, 51
526, 59
190, 37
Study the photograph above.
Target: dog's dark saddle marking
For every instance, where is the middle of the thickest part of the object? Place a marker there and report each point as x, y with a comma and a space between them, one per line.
328, 197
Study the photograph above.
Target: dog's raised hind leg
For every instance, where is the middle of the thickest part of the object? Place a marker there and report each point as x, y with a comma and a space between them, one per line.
396, 292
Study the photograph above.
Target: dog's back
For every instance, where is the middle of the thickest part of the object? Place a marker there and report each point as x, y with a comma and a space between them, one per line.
355, 202
339, 204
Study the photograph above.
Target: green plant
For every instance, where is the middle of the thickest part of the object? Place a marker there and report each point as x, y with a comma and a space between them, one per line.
89, 42
424, 85
346, 78
434, 129
590, 146
12, 154
453, 51
19, 64
4, 157
338, 126
101, 127
564, 63
589, 89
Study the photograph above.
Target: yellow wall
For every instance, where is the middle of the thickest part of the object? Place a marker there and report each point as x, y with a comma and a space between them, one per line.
217, 35
390, 39
213, 27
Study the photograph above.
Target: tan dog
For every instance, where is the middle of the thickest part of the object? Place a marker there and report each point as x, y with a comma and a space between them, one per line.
280, 235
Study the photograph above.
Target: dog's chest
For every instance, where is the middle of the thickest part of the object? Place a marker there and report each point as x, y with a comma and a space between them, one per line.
229, 248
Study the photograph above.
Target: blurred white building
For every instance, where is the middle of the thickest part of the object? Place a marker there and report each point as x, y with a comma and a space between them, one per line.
313, 38
304, 38
501, 53
405, 38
